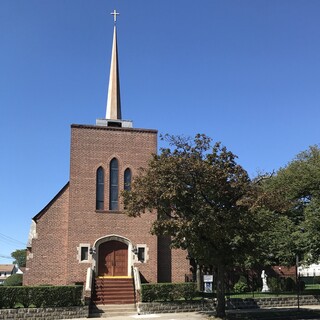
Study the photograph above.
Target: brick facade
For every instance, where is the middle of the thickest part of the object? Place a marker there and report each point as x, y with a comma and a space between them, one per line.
71, 220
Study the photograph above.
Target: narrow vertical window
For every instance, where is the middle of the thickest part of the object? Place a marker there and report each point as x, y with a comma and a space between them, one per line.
127, 179
84, 253
141, 254
114, 184
100, 189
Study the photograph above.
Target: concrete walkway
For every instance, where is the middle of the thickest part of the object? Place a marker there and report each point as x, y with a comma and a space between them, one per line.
159, 316
195, 315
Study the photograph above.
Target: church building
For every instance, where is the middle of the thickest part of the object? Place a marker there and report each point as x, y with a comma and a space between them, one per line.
83, 231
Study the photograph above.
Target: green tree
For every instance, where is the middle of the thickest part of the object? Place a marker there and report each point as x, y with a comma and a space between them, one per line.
20, 257
202, 197
292, 196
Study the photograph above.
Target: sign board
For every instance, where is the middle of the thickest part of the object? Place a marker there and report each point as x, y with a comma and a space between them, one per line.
208, 287
208, 278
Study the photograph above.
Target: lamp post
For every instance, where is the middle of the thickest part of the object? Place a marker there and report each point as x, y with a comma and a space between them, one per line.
297, 281
297, 274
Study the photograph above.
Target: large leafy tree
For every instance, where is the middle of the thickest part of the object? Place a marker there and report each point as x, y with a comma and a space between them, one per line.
202, 198
20, 257
293, 197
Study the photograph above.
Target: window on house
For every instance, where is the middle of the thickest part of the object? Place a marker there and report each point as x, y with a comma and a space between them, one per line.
84, 253
141, 254
114, 184
100, 189
127, 179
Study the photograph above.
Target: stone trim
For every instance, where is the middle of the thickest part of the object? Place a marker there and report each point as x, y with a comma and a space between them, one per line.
251, 303
79, 248
234, 303
146, 253
83, 126
45, 313
175, 306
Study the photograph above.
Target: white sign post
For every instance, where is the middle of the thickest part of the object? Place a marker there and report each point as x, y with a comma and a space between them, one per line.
208, 280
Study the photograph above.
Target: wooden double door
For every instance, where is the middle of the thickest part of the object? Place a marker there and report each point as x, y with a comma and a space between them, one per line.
113, 259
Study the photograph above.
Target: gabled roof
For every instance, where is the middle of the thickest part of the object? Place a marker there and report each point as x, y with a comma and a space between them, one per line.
44, 210
7, 267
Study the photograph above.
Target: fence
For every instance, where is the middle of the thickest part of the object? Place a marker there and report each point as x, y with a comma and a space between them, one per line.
248, 285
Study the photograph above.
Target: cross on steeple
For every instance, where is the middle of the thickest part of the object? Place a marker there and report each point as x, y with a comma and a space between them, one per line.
113, 101
115, 13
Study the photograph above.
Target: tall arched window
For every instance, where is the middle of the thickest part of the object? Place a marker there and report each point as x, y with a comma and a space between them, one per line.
100, 189
114, 184
127, 179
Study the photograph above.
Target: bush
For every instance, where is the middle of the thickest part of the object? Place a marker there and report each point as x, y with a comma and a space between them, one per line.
167, 291
289, 284
53, 296
241, 286
302, 285
275, 284
13, 280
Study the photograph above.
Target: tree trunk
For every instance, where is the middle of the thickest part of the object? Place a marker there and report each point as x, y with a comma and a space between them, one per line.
221, 300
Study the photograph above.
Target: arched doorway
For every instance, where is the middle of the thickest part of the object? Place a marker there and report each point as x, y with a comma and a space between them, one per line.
113, 259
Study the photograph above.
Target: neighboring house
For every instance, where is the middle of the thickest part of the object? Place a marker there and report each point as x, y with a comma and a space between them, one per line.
83, 227
313, 270
6, 270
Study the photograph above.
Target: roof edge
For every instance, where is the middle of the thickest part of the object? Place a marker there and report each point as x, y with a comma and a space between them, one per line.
85, 126
44, 210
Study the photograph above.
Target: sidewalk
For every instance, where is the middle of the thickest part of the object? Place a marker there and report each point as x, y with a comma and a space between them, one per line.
206, 315
158, 316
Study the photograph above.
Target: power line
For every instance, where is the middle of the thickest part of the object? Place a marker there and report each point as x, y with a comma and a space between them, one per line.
10, 240
6, 257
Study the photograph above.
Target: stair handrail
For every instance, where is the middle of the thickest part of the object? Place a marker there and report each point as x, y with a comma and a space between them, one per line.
137, 282
88, 286
89, 279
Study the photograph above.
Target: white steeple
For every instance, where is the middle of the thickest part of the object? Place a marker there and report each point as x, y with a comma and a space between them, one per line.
114, 102
113, 108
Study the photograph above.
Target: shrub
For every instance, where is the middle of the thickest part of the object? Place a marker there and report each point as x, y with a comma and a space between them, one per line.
167, 291
302, 285
241, 286
53, 296
7, 297
289, 284
188, 291
274, 284
13, 280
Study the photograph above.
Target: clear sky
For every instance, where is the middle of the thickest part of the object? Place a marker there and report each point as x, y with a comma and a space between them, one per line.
244, 72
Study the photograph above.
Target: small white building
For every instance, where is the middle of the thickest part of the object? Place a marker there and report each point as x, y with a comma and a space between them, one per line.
6, 270
313, 270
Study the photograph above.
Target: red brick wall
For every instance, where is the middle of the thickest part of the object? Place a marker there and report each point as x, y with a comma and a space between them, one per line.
71, 218
180, 265
92, 147
49, 249
172, 263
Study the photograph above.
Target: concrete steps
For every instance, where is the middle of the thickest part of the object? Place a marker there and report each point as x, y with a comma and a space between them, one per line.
112, 310
113, 291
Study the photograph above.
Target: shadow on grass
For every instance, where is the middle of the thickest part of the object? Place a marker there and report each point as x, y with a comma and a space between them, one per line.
272, 314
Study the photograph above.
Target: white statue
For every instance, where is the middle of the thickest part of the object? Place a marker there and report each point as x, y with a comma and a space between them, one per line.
265, 287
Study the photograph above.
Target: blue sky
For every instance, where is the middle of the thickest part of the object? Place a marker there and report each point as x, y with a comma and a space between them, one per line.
244, 72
